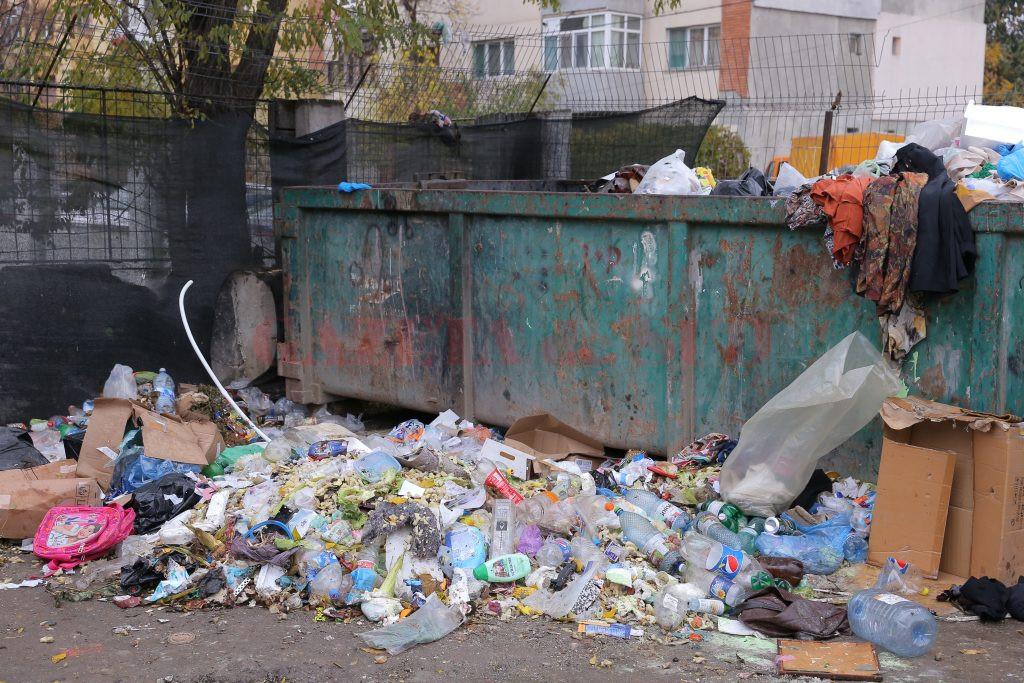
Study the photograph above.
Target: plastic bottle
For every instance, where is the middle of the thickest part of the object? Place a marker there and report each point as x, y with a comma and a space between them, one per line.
364, 576
372, 466
634, 470
732, 563
717, 586
484, 473
727, 513
748, 538
706, 605
163, 385
672, 601
463, 547
860, 520
779, 526
651, 542
326, 586
898, 576
656, 508
554, 552
892, 622
504, 569
503, 523
532, 510
709, 525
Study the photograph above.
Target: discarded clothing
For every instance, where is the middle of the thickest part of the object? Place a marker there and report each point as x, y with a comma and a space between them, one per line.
903, 330
945, 249
986, 171
781, 614
971, 198
802, 212
965, 162
704, 451
869, 167
842, 199
890, 236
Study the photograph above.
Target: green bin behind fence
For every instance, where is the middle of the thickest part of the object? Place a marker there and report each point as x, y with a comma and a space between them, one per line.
646, 321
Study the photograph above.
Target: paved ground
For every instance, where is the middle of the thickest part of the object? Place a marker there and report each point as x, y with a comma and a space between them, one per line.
253, 644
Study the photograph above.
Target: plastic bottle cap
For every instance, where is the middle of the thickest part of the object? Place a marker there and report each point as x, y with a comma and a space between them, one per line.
480, 573
609, 506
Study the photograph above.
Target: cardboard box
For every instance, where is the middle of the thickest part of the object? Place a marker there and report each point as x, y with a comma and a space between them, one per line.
546, 437
507, 457
984, 528
164, 436
26, 495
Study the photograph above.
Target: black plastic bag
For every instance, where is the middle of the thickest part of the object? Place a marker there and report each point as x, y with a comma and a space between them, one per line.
751, 184
158, 501
17, 453
141, 576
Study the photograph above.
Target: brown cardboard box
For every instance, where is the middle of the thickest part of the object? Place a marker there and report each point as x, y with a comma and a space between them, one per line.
546, 437
164, 436
984, 531
26, 495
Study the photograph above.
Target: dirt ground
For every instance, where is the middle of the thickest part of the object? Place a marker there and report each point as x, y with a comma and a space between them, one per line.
101, 642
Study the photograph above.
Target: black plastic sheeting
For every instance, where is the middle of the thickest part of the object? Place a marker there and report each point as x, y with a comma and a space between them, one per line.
17, 452
102, 219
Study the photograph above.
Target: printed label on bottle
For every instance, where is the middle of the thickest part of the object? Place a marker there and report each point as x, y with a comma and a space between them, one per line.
497, 481
728, 563
890, 599
671, 602
715, 506
712, 606
669, 512
564, 547
719, 587
762, 580
655, 549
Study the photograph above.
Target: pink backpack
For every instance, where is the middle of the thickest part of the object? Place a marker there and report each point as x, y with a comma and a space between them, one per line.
68, 536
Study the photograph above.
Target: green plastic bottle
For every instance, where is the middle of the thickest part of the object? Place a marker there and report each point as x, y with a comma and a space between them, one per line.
504, 569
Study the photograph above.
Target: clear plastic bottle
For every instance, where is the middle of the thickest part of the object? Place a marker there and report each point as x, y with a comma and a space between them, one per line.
709, 525
732, 563
707, 606
860, 520
652, 543
892, 622
672, 601
554, 552
748, 538
485, 473
163, 385
364, 576
717, 586
656, 508
533, 510
503, 523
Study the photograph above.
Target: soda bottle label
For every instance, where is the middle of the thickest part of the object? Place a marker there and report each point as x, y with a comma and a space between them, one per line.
728, 563
720, 587
890, 599
497, 481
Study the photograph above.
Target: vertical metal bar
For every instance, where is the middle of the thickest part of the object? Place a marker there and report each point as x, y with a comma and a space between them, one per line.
826, 143
539, 93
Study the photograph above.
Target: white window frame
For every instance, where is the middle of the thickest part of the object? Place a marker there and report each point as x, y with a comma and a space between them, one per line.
705, 30
602, 42
503, 45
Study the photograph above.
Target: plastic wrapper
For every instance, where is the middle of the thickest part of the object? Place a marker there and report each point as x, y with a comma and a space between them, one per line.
256, 401
670, 176
121, 383
935, 134
781, 444
1011, 166
820, 547
133, 468
557, 604
16, 453
788, 181
430, 622
160, 500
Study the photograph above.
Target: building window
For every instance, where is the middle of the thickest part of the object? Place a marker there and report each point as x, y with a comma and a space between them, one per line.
896, 45
592, 41
694, 47
494, 58
857, 44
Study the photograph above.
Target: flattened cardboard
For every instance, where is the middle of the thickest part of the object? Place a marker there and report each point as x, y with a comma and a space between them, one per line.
27, 494
545, 436
985, 522
834, 660
167, 437
909, 519
507, 457
106, 429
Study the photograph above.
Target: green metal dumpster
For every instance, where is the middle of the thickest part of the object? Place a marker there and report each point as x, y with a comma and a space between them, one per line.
643, 320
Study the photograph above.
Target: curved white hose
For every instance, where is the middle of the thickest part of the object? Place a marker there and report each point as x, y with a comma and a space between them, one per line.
209, 370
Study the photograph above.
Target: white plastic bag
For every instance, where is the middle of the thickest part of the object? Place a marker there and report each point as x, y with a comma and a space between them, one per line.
121, 383
789, 180
669, 176
935, 134
781, 444
430, 622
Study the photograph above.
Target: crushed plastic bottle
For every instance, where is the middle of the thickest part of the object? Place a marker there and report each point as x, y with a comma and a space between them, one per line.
892, 622
717, 586
709, 525
163, 385
672, 601
655, 508
732, 563
651, 542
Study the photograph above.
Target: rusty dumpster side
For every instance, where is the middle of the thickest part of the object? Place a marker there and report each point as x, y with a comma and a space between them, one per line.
645, 320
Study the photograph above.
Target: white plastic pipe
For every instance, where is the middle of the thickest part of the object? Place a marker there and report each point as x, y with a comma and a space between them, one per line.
209, 370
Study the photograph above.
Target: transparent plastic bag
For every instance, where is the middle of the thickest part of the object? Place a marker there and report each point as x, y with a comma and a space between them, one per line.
433, 621
670, 176
935, 134
121, 383
789, 180
827, 404
256, 401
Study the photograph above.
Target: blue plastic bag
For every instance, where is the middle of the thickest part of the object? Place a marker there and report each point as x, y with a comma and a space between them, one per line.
821, 547
1011, 166
133, 467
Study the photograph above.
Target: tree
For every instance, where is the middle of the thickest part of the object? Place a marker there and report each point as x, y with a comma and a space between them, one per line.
1004, 51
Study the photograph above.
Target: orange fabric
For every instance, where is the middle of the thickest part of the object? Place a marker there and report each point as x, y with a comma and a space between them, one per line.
842, 200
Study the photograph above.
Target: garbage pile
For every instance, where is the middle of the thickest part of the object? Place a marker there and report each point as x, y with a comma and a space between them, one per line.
424, 526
